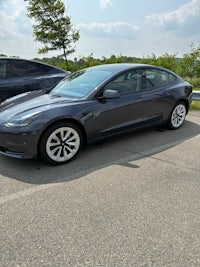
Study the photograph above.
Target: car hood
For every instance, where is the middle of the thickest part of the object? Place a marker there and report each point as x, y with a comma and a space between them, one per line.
38, 101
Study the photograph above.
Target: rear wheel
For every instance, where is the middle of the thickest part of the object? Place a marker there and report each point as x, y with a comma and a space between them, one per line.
60, 143
177, 116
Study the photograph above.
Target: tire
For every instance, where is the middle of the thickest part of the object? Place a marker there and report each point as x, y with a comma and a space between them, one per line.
60, 143
177, 116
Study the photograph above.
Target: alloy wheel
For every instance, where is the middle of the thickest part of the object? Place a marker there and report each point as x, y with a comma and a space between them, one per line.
178, 116
63, 144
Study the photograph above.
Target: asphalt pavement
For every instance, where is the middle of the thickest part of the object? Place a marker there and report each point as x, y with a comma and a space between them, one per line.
131, 201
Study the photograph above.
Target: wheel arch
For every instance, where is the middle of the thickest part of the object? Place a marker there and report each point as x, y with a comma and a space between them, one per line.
186, 102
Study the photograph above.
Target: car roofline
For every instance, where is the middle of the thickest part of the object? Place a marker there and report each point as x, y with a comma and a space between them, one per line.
34, 61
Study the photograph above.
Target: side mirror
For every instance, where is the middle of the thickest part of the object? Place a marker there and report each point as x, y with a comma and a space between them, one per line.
109, 94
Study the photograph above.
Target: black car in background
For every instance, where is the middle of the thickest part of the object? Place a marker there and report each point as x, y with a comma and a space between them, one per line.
20, 75
89, 105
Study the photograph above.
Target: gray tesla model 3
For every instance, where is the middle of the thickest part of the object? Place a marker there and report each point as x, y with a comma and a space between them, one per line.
90, 105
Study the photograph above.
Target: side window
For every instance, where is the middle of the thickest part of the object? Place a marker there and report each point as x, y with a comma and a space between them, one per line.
126, 83
3, 63
39, 68
154, 78
19, 68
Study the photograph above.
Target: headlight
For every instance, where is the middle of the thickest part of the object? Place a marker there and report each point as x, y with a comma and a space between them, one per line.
22, 120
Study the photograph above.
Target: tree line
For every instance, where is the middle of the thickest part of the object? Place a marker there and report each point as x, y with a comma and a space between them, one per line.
188, 66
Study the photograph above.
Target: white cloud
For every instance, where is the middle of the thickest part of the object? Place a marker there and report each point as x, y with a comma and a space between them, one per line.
105, 3
15, 29
116, 29
13, 17
185, 16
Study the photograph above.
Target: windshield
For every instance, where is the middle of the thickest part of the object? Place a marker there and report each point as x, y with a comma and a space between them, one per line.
80, 84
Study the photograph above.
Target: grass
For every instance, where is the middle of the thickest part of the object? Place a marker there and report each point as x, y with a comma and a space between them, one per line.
195, 105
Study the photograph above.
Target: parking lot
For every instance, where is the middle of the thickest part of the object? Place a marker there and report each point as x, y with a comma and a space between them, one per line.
132, 201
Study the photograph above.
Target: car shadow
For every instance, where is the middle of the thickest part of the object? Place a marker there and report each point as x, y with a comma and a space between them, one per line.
120, 150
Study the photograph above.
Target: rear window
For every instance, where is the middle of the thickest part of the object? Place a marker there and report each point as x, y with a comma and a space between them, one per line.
18, 68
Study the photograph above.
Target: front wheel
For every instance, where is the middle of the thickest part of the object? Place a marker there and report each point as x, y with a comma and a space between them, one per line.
177, 116
60, 143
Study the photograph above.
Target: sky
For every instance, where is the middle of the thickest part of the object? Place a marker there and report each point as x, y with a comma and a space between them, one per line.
109, 27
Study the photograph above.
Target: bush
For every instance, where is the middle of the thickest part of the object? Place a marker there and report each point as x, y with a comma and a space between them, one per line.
194, 81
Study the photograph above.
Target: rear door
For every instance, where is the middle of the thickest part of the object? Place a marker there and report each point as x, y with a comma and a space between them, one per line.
155, 93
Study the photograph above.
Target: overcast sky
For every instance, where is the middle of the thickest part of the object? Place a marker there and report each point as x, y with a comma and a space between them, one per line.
107, 27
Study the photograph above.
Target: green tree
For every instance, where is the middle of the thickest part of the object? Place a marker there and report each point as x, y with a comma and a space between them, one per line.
53, 27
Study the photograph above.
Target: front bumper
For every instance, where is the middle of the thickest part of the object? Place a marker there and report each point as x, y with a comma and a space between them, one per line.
19, 145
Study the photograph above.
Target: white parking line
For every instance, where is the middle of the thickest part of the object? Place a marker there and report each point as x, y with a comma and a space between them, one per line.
25, 192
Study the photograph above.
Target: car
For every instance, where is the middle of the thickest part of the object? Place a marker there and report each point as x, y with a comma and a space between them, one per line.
90, 105
20, 75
